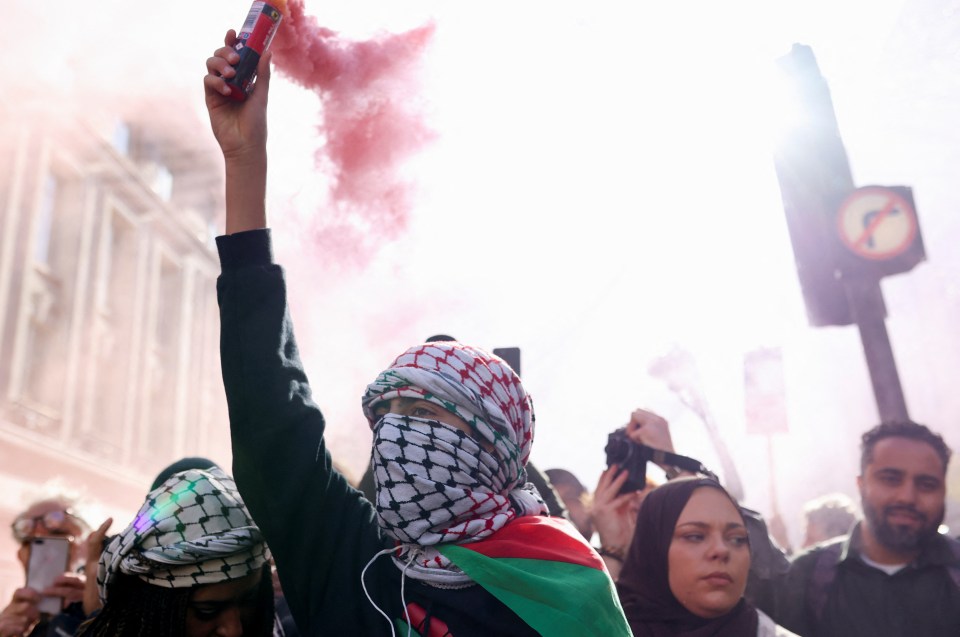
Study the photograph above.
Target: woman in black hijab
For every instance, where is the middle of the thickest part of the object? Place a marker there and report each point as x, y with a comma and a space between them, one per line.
687, 566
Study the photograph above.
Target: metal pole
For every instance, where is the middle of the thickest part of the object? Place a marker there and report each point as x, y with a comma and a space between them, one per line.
771, 475
869, 311
697, 403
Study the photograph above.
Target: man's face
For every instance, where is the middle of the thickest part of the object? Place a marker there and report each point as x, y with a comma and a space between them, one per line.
49, 519
903, 493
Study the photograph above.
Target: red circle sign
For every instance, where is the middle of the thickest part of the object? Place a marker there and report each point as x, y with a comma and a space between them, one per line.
877, 223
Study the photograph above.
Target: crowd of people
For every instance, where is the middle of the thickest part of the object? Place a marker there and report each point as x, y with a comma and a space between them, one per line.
457, 534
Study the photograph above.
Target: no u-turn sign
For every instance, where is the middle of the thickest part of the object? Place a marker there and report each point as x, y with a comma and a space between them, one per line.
879, 227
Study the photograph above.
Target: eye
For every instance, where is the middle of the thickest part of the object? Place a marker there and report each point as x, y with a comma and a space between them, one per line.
928, 485
740, 540
693, 537
205, 613
423, 410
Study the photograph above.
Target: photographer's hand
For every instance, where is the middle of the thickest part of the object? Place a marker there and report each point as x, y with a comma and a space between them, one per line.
652, 430
68, 586
614, 517
21, 614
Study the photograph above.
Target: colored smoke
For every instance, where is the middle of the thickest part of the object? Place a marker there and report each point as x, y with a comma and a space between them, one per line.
369, 123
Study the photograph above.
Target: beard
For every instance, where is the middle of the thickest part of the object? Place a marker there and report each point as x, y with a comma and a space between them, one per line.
901, 537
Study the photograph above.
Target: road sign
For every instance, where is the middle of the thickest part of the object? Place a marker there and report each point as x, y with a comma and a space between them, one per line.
879, 228
877, 223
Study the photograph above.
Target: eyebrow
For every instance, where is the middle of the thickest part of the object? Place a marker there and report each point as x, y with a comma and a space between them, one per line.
246, 595
703, 525
893, 471
385, 404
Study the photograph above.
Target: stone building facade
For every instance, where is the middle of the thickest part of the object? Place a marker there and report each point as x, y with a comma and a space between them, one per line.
109, 367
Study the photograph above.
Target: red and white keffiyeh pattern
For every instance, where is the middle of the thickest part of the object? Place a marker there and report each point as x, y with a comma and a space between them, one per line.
435, 484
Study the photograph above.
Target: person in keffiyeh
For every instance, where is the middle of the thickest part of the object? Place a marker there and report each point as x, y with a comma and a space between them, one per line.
472, 551
191, 563
452, 429
452, 432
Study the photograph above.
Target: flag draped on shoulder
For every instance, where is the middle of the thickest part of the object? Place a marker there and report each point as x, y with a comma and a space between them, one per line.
541, 568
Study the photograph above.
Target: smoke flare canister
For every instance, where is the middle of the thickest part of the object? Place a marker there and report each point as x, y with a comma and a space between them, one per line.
254, 38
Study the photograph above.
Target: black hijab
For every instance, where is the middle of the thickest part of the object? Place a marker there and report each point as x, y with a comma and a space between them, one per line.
644, 584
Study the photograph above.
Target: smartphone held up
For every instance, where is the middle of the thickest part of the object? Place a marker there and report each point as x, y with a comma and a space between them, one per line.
49, 559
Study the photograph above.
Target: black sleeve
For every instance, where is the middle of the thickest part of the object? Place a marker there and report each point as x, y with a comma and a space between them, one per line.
319, 529
790, 590
768, 562
65, 622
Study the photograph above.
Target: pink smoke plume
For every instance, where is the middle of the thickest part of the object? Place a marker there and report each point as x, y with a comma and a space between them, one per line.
370, 122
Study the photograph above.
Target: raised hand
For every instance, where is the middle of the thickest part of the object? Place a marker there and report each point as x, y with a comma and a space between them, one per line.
614, 516
241, 131
240, 127
650, 429
93, 548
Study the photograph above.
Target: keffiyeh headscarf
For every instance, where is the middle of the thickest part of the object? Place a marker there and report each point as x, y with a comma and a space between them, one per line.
436, 484
193, 529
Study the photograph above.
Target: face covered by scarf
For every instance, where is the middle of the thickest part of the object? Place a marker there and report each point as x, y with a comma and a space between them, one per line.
193, 529
436, 484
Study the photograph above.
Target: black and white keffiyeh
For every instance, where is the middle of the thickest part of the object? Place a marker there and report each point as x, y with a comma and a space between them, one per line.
436, 484
193, 529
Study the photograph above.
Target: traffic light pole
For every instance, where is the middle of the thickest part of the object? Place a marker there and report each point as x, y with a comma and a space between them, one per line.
866, 304
815, 179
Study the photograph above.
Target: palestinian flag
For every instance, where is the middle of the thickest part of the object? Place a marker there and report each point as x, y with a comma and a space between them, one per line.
542, 569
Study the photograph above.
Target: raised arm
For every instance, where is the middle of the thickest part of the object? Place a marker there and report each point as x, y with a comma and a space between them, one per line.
241, 130
320, 531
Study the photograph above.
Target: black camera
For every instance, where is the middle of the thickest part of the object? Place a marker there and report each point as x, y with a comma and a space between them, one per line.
629, 456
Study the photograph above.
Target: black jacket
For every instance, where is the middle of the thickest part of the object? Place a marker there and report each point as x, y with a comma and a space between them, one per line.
321, 531
829, 591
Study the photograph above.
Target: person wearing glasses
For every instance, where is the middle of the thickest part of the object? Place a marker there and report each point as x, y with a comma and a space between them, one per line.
54, 517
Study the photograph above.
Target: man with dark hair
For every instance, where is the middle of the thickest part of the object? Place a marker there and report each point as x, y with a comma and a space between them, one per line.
894, 573
907, 429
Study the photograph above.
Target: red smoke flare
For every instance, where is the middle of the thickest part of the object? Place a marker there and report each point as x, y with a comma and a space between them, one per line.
369, 121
